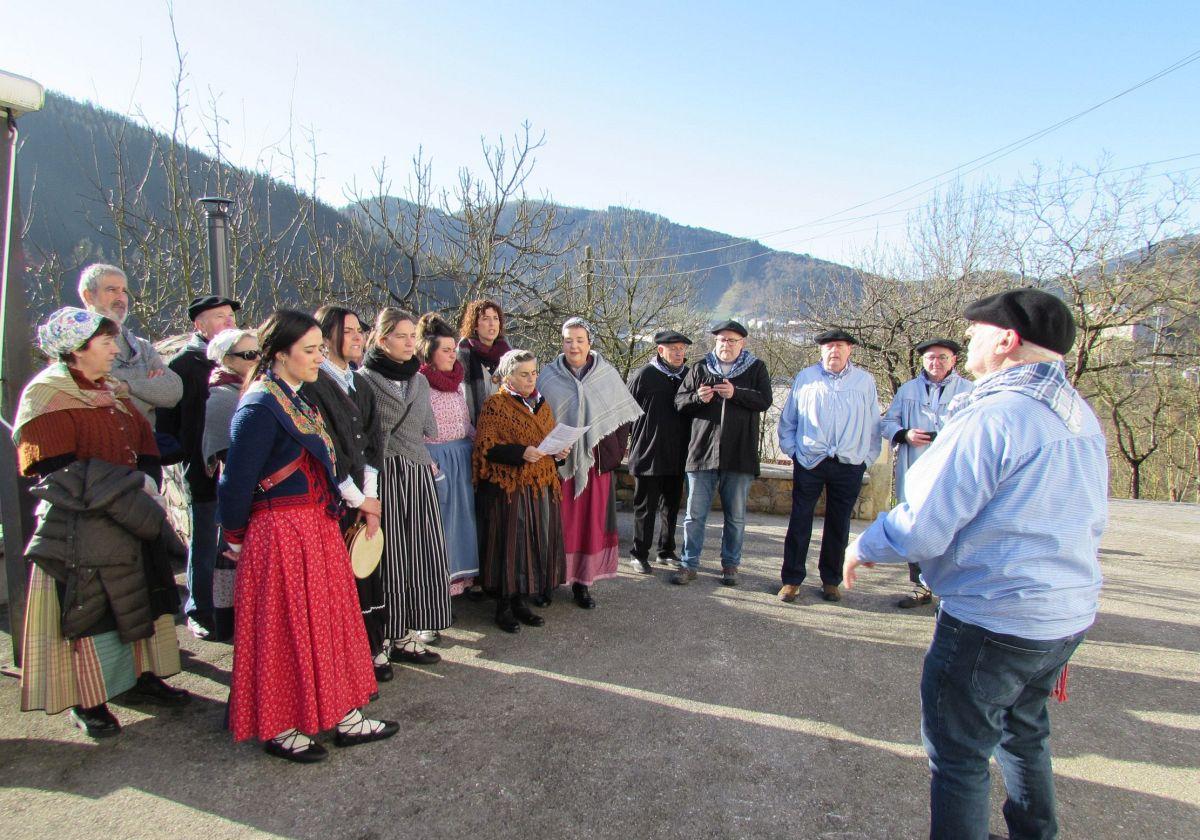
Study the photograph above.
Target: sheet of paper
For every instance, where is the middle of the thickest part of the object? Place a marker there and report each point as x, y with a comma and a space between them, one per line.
560, 437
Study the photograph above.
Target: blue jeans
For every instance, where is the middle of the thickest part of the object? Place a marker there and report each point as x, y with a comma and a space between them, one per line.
734, 487
984, 693
202, 558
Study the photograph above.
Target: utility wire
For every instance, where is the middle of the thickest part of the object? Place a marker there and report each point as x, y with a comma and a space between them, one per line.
845, 223
982, 160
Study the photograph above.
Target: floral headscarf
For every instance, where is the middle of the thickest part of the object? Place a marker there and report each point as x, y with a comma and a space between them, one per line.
66, 330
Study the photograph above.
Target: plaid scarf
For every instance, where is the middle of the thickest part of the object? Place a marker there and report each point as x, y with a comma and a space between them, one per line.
55, 389
740, 365
1045, 382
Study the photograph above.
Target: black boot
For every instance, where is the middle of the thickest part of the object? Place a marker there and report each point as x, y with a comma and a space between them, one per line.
96, 721
504, 616
523, 614
582, 597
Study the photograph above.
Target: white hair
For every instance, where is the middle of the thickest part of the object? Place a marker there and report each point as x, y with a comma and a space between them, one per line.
89, 278
1027, 351
578, 323
509, 361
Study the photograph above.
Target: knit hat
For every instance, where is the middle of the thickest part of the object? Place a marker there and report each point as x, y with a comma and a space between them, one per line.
67, 329
1036, 316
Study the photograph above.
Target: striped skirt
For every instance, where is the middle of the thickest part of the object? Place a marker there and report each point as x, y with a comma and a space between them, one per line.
416, 579
521, 541
456, 499
58, 673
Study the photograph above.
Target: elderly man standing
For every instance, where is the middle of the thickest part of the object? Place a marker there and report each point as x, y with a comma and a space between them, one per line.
658, 448
724, 394
181, 437
913, 420
830, 430
1004, 512
146, 380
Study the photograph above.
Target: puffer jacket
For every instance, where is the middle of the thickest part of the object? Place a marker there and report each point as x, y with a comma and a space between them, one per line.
94, 524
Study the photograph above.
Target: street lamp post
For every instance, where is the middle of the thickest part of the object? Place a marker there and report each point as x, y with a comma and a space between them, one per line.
216, 210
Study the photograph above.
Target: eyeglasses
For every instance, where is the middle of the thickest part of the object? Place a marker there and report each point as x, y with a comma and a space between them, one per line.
246, 355
724, 340
939, 357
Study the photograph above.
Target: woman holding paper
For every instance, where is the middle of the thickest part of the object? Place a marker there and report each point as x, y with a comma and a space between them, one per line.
585, 390
520, 523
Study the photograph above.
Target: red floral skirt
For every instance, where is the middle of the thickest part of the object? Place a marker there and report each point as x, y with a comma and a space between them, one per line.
301, 657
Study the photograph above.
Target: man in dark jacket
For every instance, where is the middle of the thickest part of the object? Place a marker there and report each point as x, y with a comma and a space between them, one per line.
724, 394
181, 434
658, 448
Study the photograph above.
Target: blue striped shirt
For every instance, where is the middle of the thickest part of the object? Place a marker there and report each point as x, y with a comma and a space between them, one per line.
1004, 513
831, 415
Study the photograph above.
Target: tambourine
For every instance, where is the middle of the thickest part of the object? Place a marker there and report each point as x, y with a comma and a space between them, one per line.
365, 552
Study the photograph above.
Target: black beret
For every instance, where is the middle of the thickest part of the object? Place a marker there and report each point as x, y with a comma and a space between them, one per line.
835, 335
1036, 316
203, 304
732, 326
953, 346
671, 337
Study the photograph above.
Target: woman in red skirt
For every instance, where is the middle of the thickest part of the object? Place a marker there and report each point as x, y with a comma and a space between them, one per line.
301, 662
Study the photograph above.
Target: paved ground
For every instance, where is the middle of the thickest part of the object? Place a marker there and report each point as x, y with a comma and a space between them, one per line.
702, 712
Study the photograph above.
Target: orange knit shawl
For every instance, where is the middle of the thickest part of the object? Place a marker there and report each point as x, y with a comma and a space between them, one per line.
504, 420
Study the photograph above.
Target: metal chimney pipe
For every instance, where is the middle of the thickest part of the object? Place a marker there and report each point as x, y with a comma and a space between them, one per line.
217, 212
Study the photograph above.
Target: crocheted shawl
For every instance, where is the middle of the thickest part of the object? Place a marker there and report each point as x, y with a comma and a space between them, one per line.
55, 389
504, 419
600, 400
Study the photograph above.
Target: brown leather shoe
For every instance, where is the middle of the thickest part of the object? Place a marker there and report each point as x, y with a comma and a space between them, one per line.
788, 593
831, 592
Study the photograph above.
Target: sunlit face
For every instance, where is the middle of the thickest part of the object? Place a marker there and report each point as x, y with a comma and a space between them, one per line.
444, 355
674, 353
835, 355
938, 362
354, 340
523, 379
728, 345
97, 359
401, 343
985, 347
303, 359
111, 298
211, 321
248, 346
487, 326
576, 346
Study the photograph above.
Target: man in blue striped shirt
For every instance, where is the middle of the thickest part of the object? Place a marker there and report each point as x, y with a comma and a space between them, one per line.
1004, 513
830, 430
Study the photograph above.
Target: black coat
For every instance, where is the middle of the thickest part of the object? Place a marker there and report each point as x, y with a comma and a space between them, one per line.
183, 426
109, 547
351, 422
660, 436
725, 432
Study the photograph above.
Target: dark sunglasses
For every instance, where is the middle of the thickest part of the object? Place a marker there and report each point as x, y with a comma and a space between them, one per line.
246, 355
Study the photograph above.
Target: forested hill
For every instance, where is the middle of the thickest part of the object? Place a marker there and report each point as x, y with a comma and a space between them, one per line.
74, 156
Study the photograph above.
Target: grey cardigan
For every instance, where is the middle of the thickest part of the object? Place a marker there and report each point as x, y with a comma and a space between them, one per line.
403, 423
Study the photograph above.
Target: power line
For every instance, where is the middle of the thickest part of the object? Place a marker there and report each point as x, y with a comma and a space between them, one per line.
847, 222
982, 160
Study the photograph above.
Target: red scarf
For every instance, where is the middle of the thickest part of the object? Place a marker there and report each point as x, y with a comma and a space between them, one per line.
489, 355
220, 376
443, 380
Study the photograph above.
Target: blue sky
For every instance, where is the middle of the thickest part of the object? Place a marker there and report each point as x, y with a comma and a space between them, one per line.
744, 118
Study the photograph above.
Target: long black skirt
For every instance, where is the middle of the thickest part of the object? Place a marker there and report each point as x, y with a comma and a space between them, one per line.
520, 541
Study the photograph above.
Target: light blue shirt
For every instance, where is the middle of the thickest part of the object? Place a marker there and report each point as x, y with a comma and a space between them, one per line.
919, 404
1004, 514
831, 415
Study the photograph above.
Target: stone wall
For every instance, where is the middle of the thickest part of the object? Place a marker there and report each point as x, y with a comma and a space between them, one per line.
771, 492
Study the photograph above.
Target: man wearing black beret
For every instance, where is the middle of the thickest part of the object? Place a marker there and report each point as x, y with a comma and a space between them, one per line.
181, 434
658, 449
1004, 513
830, 429
725, 395
913, 420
